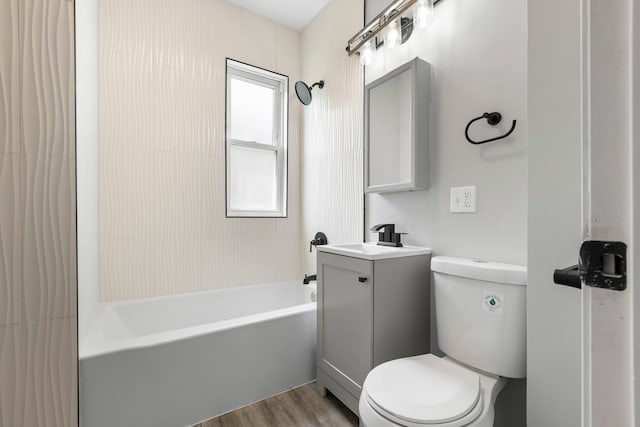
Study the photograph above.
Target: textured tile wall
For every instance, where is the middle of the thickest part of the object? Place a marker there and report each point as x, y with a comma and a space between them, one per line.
332, 151
38, 352
162, 168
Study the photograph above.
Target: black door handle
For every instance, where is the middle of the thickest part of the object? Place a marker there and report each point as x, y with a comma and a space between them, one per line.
602, 265
569, 276
362, 279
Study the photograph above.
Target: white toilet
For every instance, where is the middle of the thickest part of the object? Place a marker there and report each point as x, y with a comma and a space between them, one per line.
481, 325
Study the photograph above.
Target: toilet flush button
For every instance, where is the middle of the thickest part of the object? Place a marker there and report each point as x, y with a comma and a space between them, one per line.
493, 302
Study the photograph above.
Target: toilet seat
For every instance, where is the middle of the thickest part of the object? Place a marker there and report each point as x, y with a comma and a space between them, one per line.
424, 390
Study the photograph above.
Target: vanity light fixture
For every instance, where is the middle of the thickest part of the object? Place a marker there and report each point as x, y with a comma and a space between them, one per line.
392, 39
423, 13
366, 54
399, 27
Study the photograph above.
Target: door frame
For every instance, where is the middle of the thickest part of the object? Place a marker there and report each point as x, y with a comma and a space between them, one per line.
610, 199
635, 248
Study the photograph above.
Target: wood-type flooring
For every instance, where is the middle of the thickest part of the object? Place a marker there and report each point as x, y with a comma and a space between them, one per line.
300, 407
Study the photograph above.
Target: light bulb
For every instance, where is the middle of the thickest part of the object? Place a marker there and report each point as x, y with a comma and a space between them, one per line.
393, 35
423, 13
366, 54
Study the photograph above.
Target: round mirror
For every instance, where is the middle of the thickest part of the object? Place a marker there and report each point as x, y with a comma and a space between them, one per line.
304, 92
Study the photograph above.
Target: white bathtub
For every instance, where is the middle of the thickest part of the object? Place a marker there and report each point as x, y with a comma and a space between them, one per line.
175, 361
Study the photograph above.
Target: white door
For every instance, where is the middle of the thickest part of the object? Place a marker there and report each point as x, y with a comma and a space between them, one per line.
580, 172
554, 160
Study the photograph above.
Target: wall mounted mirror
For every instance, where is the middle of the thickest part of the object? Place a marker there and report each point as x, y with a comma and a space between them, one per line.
397, 129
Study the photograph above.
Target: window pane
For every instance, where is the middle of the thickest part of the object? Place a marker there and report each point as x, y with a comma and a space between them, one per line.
251, 115
253, 181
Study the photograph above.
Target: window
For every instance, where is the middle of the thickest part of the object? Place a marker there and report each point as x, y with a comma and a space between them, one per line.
256, 138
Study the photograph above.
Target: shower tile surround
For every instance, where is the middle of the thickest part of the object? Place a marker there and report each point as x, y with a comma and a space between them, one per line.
332, 151
162, 222
38, 350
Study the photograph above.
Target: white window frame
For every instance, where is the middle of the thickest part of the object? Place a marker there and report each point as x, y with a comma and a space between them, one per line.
280, 83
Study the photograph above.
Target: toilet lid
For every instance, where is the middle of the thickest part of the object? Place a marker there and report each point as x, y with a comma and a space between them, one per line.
423, 389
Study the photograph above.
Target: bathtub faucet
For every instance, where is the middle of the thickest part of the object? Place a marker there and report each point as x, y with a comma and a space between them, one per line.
319, 239
308, 278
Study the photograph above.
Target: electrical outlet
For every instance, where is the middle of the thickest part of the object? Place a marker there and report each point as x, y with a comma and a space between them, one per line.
463, 199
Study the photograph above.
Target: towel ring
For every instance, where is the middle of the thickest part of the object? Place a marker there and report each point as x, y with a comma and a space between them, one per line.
493, 119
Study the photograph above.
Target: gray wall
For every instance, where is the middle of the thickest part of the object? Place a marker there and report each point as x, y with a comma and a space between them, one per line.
478, 55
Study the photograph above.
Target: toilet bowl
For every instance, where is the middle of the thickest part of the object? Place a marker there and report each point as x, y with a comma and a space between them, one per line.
428, 391
480, 314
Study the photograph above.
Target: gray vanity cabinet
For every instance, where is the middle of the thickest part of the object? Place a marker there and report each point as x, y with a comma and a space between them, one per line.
369, 312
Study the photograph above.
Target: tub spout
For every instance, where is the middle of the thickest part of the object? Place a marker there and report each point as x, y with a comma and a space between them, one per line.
308, 278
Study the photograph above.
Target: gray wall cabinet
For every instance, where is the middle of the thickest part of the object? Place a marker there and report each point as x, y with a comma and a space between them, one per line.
369, 312
396, 129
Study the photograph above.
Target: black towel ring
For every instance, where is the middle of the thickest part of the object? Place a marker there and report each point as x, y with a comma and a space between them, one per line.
493, 119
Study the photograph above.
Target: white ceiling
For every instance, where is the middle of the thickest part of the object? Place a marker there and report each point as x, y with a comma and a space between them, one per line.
294, 14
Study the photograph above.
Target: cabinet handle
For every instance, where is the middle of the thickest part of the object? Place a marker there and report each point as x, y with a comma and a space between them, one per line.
362, 279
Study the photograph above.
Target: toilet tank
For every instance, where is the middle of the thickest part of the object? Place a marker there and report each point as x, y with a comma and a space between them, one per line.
481, 314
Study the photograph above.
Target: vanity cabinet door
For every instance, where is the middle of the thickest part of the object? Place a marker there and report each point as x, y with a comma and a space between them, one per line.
345, 319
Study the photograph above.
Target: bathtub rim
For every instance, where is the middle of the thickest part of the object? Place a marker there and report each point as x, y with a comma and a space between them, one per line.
94, 348
206, 292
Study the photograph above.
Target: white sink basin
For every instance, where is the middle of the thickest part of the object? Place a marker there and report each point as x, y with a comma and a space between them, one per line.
372, 251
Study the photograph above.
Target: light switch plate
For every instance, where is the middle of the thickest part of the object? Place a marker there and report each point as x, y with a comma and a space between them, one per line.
463, 199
